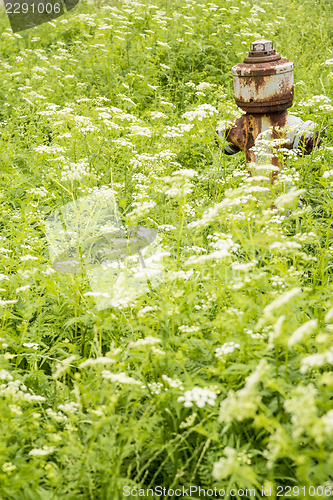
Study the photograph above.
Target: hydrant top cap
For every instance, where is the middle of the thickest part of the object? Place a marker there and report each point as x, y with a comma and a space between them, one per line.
261, 45
262, 51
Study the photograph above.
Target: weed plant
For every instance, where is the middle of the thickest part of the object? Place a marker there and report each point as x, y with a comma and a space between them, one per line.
221, 376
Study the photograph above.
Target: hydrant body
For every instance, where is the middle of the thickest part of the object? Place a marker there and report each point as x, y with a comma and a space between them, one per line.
264, 89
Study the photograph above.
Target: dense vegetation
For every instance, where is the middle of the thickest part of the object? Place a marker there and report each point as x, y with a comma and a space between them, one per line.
219, 375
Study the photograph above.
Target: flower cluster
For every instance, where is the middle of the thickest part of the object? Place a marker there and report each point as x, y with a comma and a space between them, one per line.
198, 396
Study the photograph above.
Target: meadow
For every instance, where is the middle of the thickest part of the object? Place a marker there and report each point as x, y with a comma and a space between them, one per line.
220, 375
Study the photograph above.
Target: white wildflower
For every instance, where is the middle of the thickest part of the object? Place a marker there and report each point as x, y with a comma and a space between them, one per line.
22, 288
63, 366
96, 361
226, 348
202, 111
121, 378
328, 173
303, 331
69, 408
5, 302
157, 351
198, 396
155, 387
49, 149
33, 397
57, 416
290, 198
281, 301
42, 192
302, 406
24, 258
204, 86
243, 266
76, 171
182, 275
317, 360
329, 316
155, 115
42, 452
8, 467
141, 131
4, 375
145, 341
174, 383
243, 404
31, 345
327, 420
189, 329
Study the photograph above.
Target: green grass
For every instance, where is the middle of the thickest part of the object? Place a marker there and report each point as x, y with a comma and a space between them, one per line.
265, 414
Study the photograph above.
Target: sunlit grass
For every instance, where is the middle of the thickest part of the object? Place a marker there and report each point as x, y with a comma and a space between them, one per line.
221, 374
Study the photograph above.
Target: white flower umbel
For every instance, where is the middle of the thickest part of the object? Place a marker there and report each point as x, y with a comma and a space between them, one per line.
327, 420
180, 183
200, 112
4, 375
42, 452
224, 247
76, 171
174, 383
303, 409
63, 366
317, 360
234, 463
226, 348
8, 467
144, 342
96, 362
120, 378
69, 408
303, 331
282, 300
198, 396
244, 403
31, 345
289, 199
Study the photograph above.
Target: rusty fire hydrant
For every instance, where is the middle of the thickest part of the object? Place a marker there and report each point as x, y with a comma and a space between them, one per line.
264, 89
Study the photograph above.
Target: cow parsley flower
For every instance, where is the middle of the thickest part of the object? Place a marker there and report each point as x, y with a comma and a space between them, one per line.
120, 378
303, 331
42, 452
69, 408
198, 396
28, 257
145, 341
174, 383
4, 375
96, 361
31, 345
226, 348
8, 467
201, 112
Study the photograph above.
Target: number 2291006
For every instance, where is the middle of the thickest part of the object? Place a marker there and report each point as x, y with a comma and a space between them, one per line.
296, 491
40, 8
